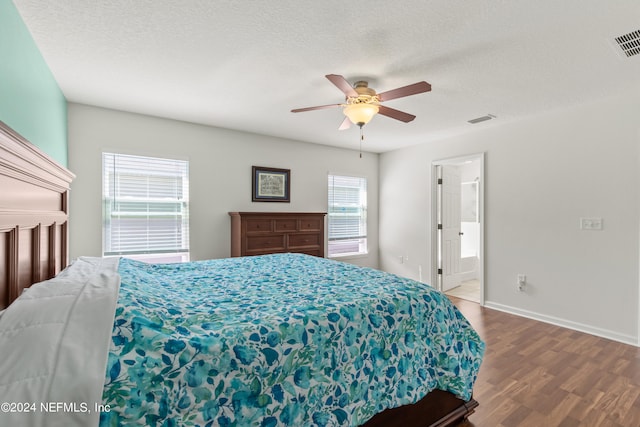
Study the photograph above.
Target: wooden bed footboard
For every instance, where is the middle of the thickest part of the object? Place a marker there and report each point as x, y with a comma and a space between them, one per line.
437, 409
33, 215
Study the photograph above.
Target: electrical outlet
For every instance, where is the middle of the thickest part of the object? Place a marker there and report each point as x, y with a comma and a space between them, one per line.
522, 282
590, 223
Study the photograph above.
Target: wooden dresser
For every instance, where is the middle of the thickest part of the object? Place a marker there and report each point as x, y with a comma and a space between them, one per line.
259, 233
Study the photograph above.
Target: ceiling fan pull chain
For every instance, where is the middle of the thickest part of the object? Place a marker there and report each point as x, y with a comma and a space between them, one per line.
361, 139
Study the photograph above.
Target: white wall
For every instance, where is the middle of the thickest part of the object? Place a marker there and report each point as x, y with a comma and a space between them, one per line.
220, 163
541, 175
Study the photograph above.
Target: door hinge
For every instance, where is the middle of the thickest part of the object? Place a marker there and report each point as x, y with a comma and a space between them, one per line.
439, 226
440, 181
439, 271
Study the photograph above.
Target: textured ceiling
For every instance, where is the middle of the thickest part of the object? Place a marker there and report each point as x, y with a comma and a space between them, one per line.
245, 64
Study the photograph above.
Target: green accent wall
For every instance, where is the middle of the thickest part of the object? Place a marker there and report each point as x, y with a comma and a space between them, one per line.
30, 100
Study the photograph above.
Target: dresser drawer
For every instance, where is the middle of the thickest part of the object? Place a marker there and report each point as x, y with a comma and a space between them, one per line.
312, 224
309, 251
303, 240
286, 225
258, 224
272, 241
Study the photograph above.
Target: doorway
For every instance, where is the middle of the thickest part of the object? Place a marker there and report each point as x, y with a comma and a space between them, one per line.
458, 226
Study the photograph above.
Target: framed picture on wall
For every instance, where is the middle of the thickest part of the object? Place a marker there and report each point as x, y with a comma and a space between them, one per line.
270, 184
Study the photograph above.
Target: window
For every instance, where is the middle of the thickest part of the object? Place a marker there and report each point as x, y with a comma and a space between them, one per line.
347, 216
145, 208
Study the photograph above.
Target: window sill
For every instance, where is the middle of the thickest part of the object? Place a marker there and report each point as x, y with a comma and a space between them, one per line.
340, 257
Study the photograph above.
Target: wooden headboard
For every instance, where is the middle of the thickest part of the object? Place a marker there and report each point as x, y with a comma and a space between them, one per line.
34, 194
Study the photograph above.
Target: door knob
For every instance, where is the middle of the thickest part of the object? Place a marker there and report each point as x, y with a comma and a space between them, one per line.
460, 233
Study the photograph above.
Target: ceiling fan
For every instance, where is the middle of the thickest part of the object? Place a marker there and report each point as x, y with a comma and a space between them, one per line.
362, 102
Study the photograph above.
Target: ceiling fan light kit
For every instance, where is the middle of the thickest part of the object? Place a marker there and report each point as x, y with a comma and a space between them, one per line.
360, 114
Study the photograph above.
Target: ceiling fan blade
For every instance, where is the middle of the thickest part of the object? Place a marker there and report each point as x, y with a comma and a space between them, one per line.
400, 92
346, 124
395, 114
342, 84
319, 107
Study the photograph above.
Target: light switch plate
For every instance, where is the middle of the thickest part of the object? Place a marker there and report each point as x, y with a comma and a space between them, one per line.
590, 223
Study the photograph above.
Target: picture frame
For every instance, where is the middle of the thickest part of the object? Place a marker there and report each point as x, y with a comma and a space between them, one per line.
270, 184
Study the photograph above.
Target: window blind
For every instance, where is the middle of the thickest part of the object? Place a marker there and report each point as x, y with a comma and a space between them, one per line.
347, 215
146, 205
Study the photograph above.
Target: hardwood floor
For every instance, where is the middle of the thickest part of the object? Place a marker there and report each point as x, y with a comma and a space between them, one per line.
540, 375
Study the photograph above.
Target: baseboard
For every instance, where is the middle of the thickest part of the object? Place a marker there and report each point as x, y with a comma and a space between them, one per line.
576, 326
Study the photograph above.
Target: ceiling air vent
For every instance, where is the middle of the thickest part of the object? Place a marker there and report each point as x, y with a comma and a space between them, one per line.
481, 119
630, 43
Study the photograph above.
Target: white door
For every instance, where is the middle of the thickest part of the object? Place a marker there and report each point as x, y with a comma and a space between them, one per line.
450, 227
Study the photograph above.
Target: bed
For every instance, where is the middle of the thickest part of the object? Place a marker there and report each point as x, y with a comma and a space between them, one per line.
284, 339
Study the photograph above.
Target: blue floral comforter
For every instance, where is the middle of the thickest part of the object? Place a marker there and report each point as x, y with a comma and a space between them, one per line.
278, 340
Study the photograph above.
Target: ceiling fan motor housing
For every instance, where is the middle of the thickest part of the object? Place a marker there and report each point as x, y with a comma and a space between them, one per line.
365, 93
